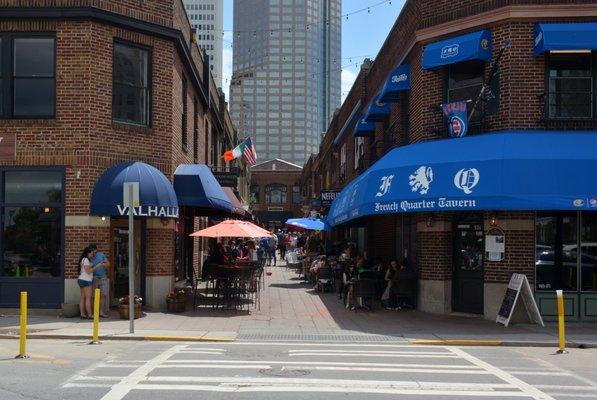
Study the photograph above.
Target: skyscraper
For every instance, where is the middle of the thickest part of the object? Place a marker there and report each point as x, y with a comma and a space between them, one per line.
286, 74
207, 18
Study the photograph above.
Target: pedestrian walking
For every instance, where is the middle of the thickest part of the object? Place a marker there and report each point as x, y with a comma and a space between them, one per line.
271, 255
100, 278
282, 245
85, 282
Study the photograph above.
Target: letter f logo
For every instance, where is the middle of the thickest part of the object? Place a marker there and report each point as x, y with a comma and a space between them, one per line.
384, 188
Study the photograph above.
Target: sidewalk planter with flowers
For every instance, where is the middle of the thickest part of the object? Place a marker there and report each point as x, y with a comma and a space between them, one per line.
123, 307
176, 301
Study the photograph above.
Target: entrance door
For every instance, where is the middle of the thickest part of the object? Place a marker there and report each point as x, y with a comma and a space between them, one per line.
119, 260
467, 281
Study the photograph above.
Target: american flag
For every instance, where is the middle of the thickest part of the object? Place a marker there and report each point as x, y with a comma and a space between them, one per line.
249, 152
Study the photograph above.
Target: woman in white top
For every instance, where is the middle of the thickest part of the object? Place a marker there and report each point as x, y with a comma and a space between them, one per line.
252, 251
85, 282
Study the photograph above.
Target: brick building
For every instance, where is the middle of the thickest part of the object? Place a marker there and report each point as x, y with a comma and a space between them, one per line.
275, 192
97, 84
541, 88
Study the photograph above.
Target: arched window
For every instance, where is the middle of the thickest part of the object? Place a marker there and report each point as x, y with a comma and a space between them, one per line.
275, 194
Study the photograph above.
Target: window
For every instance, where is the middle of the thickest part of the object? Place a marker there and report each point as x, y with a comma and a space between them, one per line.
343, 162
464, 83
184, 115
32, 223
571, 86
359, 151
255, 194
196, 131
275, 194
296, 195
131, 96
27, 76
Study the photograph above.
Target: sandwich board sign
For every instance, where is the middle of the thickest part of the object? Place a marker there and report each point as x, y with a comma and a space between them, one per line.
519, 285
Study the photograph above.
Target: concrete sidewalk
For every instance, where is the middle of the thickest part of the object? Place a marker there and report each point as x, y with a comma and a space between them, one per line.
292, 311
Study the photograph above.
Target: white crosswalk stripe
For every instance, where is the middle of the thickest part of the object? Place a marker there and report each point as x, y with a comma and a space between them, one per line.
383, 370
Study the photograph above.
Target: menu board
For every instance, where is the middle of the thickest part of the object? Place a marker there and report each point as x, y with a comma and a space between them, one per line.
518, 284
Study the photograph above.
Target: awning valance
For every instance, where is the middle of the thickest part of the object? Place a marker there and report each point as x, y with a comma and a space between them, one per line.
472, 46
377, 110
398, 81
347, 124
513, 170
197, 187
567, 36
363, 128
157, 197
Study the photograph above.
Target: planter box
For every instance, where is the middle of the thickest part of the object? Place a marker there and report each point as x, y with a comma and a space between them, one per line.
123, 311
177, 306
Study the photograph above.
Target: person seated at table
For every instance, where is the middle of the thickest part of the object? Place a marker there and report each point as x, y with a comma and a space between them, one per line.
251, 252
348, 278
217, 255
360, 264
318, 263
231, 251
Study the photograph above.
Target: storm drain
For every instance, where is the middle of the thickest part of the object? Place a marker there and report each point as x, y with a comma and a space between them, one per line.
299, 337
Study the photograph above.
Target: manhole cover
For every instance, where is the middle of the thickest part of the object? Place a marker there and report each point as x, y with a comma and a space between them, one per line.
284, 371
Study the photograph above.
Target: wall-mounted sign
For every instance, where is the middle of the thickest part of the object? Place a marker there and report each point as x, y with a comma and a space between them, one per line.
495, 246
328, 196
227, 179
8, 146
149, 211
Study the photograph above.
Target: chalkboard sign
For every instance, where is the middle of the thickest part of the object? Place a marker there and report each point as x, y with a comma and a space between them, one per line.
518, 283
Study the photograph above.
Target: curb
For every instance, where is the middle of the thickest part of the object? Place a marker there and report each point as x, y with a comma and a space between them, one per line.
150, 338
497, 342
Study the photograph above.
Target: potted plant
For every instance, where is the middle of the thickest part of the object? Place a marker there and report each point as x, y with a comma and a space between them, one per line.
123, 307
176, 301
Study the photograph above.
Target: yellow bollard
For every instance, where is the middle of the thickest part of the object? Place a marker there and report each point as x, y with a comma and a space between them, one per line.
23, 331
96, 315
561, 332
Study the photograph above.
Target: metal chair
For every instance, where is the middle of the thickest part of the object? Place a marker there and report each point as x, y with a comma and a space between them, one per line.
325, 278
364, 289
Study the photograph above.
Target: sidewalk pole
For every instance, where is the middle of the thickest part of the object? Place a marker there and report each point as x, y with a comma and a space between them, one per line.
23, 331
561, 329
96, 314
131, 260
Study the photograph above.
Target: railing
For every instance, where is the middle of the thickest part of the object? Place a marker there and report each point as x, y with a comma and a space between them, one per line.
568, 105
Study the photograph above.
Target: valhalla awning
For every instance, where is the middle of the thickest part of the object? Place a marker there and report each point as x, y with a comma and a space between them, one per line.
472, 46
512, 170
565, 36
156, 194
363, 128
377, 110
398, 81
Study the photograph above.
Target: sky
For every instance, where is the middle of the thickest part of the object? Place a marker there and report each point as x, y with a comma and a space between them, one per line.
363, 33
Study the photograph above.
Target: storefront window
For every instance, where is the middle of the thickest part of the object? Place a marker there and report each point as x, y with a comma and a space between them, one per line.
32, 242
588, 246
555, 251
32, 224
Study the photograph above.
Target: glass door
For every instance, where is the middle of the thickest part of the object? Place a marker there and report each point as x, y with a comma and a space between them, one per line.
120, 260
467, 279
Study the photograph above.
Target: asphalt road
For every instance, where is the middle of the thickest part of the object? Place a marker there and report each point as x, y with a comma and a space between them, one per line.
160, 370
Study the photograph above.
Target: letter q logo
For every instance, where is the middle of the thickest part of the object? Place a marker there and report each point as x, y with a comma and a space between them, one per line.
466, 179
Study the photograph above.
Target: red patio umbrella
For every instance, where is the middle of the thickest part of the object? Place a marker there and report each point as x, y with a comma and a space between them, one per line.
233, 228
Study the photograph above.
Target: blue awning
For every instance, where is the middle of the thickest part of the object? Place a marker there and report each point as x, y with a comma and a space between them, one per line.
349, 121
156, 194
568, 36
398, 81
472, 46
197, 187
512, 170
309, 224
377, 110
364, 128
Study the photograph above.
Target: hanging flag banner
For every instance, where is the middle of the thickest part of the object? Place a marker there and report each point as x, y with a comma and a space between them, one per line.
456, 116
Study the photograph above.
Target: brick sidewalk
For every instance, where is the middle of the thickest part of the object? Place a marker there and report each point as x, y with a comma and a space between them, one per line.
291, 307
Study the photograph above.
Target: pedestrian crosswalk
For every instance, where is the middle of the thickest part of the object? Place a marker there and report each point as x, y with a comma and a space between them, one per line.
304, 370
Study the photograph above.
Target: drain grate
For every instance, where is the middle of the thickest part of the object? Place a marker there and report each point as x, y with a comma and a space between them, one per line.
300, 337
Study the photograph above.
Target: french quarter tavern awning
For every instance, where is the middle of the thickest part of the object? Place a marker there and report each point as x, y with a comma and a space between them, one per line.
398, 81
197, 187
363, 128
472, 46
156, 194
377, 110
511, 170
565, 36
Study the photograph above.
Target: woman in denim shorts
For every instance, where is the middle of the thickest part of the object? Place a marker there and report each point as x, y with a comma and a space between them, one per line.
85, 281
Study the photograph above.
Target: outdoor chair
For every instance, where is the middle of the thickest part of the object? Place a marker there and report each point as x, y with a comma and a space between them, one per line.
364, 292
325, 279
